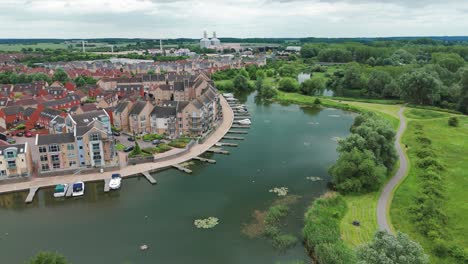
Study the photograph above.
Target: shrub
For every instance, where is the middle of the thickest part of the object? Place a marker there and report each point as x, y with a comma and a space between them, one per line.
317, 101
334, 253
429, 162
424, 153
440, 248
284, 242
454, 121
425, 141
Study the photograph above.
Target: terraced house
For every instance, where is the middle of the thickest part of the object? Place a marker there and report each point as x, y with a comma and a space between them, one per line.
85, 141
15, 161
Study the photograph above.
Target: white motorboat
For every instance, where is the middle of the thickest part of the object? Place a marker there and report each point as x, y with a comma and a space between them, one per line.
244, 122
60, 190
228, 95
115, 181
78, 189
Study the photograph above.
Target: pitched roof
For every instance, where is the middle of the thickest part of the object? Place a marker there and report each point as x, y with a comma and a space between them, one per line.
120, 107
55, 138
137, 108
50, 113
13, 110
21, 148
87, 117
164, 111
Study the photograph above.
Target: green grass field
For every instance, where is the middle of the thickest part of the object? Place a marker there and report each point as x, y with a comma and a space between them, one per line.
451, 146
18, 47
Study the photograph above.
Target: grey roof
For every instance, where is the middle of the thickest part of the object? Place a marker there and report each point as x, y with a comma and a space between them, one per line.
50, 113
55, 138
181, 106
179, 86
21, 148
13, 110
68, 99
164, 111
120, 107
137, 108
29, 111
87, 117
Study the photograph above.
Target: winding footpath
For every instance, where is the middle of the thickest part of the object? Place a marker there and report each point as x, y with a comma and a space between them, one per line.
386, 195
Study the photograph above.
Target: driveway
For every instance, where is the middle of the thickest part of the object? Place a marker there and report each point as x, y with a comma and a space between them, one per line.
384, 202
123, 139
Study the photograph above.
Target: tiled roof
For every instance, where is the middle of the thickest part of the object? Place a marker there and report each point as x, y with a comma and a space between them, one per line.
137, 108
55, 138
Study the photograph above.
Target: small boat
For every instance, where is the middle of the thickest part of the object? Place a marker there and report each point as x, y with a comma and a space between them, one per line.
78, 189
228, 95
245, 122
218, 145
115, 181
60, 190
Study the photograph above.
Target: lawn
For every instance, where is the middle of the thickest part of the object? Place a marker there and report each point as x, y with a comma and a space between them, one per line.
119, 147
18, 47
451, 147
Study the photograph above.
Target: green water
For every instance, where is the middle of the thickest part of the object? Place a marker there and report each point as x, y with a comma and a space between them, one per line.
285, 145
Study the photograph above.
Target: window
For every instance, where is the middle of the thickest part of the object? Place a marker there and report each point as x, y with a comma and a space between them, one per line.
42, 149
72, 163
2, 172
81, 147
45, 167
56, 165
12, 164
10, 155
71, 147
44, 158
54, 148
94, 137
96, 147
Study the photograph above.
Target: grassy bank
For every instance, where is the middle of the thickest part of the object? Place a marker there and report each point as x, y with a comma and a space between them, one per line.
360, 207
449, 146
322, 230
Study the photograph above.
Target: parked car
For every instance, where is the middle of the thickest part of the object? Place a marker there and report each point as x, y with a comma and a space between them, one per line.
131, 139
11, 141
116, 133
156, 142
129, 148
28, 134
19, 134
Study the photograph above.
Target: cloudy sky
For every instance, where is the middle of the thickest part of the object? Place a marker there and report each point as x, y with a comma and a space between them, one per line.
231, 18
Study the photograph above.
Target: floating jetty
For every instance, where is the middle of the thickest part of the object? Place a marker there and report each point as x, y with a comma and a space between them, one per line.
233, 138
182, 168
241, 117
240, 126
31, 194
106, 185
237, 132
226, 144
149, 177
205, 160
218, 151
69, 190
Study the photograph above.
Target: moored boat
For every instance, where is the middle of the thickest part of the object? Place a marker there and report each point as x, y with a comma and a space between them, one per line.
60, 190
78, 189
115, 181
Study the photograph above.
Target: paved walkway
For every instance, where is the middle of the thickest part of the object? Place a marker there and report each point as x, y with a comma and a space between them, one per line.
132, 169
384, 202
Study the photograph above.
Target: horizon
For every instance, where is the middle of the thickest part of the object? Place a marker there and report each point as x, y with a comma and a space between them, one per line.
154, 19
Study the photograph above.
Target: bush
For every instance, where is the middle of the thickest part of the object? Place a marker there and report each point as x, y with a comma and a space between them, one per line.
48, 258
453, 121
288, 84
317, 101
429, 162
334, 253
284, 242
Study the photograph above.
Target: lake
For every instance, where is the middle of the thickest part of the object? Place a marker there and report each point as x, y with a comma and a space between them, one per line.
285, 145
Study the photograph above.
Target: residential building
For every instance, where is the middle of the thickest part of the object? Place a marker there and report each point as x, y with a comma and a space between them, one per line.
120, 115
15, 161
139, 117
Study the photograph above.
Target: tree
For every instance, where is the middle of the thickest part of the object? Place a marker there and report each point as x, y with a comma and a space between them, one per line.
352, 77
265, 89
453, 121
288, 70
388, 249
450, 61
288, 85
463, 103
313, 86
309, 51
80, 82
48, 258
60, 75
334, 55
377, 83
241, 83
357, 171
420, 87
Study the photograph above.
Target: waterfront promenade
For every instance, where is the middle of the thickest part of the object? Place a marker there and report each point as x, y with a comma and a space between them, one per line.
131, 170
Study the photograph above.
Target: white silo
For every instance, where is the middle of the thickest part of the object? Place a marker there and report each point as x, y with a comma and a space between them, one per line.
214, 41
205, 42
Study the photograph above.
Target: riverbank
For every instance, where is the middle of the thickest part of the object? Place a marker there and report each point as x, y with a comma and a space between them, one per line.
361, 207
132, 170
